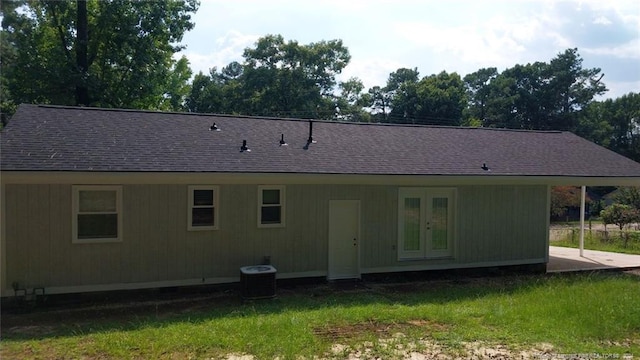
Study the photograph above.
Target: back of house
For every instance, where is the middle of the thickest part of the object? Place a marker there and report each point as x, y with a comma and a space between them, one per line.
109, 199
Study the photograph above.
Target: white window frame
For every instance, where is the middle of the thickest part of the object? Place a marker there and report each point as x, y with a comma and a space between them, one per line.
75, 205
215, 206
425, 195
281, 188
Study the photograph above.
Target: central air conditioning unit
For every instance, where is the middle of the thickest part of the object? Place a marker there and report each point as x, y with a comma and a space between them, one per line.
258, 282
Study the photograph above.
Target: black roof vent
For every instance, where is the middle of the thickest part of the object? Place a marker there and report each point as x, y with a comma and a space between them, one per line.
282, 142
485, 167
244, 147
310, 139
214, 127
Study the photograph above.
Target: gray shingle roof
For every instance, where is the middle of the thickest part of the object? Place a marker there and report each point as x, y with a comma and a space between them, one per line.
52, 138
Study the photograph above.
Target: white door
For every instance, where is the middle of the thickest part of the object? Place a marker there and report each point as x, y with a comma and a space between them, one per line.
426, 218
344, 239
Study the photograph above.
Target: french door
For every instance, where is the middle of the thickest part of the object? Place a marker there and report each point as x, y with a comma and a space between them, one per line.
426, 222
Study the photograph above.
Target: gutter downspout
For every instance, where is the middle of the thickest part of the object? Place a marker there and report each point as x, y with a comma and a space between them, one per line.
582, 210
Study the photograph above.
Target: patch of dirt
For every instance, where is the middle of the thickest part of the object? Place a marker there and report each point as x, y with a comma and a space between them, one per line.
426, 349
239, 357
352, 331
396, 347
392, 343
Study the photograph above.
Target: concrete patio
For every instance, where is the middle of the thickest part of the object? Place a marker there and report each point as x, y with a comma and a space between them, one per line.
563, 259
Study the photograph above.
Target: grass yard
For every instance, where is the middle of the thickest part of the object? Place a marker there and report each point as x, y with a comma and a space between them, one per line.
595, 313
595, 240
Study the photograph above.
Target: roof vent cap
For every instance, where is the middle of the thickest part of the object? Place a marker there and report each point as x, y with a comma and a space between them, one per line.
485, 167
244, 147
214, 127
282, 142
310, 140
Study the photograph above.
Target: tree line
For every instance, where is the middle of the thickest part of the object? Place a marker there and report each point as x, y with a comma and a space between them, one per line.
121, 54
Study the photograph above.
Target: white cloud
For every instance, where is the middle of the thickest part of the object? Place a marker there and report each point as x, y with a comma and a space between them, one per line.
499, 42
222, 51
626, 10
372, 72
455, 36
629, 50
602, 20
619, 88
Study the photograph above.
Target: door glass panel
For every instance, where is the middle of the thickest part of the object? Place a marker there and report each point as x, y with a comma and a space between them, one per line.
411, 224
439, 226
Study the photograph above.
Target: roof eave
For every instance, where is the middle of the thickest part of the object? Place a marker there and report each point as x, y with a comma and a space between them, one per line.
76, 177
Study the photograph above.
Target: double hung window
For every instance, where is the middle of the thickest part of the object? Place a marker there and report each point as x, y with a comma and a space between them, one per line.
202, 207
271, 206
97, 214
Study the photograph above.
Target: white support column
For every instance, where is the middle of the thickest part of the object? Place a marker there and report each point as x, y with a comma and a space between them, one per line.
583, 194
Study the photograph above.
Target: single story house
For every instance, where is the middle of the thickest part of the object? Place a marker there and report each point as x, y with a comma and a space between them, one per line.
105, 199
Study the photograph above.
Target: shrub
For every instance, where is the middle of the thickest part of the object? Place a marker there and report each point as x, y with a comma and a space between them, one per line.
620, 215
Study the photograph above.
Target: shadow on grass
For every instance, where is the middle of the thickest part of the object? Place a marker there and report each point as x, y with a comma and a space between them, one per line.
61, 316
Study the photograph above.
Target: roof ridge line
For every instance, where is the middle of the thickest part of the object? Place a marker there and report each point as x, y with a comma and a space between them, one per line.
96, 108
257, 117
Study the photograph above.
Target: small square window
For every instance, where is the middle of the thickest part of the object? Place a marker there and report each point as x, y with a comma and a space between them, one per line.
271, 206
203, 201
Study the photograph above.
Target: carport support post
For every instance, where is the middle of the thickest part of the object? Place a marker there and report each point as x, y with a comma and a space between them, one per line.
583, 194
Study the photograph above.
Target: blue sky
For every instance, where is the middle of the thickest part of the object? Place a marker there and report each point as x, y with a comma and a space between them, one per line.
455, 35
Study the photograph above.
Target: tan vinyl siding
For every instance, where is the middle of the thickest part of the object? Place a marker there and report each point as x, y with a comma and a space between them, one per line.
498, 223
379, 224
493, 225
157, 247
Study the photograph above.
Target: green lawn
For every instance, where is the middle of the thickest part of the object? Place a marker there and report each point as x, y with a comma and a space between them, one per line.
576, 313
595, 241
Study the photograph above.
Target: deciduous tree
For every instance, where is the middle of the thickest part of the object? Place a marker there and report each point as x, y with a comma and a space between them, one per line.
351, 101
401, 89
629, 195
478, 86
102, 53
441, 99
563, 198
276, 78
540, 95
621, 215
